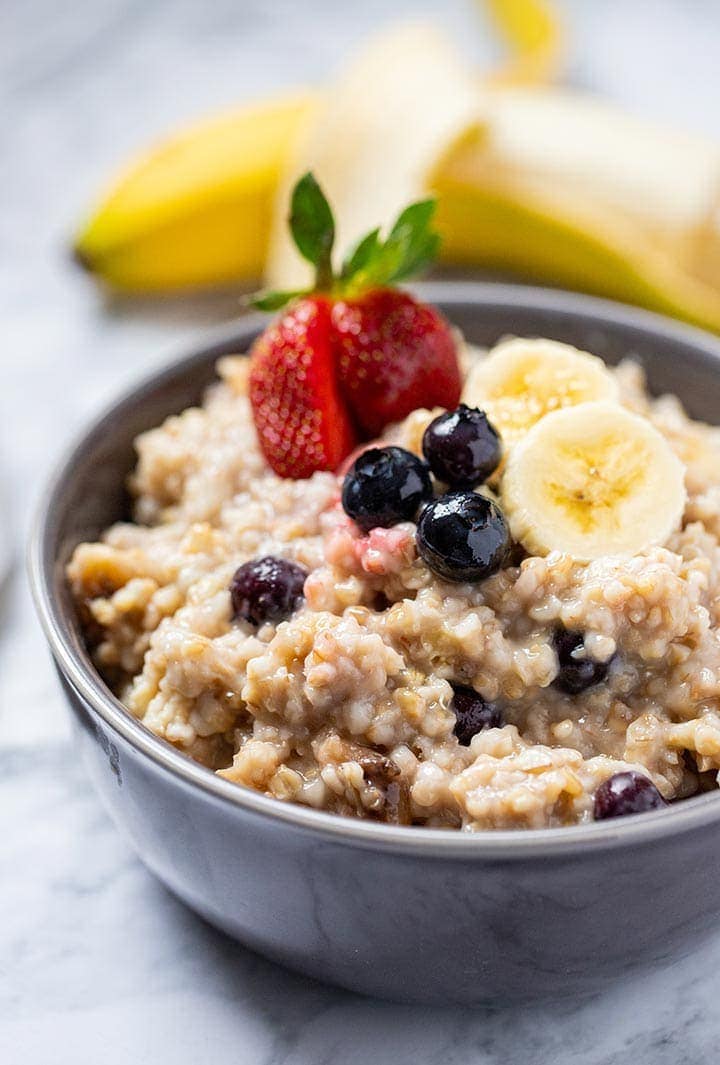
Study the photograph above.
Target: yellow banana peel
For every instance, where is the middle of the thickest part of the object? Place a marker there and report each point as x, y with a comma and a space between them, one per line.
560, 189
197, 210
533, 34
582, 249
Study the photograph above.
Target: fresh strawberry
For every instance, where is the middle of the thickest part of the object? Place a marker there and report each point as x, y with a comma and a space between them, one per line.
383, 352
302, 423
393, 354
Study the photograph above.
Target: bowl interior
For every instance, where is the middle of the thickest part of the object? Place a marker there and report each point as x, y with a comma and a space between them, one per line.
88, 492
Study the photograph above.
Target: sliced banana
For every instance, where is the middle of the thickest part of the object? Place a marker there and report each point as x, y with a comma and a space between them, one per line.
521, 381
593, 480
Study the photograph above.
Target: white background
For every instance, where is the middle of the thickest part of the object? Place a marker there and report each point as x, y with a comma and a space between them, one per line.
97, 962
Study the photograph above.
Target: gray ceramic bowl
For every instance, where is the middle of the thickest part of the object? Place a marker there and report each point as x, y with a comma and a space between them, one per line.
409, 914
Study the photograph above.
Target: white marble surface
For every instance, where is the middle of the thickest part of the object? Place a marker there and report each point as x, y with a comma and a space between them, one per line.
97, 961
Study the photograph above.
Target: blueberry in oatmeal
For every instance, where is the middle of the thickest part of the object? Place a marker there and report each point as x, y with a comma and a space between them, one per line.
266, 589
462, 447
472, 713
384, 486
462, 536
577, 671
626, 793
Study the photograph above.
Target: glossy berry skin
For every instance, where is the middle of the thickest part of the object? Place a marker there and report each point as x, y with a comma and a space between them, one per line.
393, 355
266, 589
462, 536
462, 447
626, 793
302, 422
576, 672
472, 714
385, 485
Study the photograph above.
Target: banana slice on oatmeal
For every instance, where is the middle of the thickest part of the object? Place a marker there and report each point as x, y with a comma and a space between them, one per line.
593, 480
522, 380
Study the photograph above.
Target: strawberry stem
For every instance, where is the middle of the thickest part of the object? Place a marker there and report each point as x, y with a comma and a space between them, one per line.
410, 246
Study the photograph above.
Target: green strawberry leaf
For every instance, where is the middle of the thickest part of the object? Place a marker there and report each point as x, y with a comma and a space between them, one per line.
414, 243
313, 228
409, 247
362, 254
374, 262
273, 301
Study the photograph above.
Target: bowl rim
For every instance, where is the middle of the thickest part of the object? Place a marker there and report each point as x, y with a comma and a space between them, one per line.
500, 844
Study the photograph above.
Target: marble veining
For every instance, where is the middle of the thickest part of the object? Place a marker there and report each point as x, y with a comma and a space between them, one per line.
97, 961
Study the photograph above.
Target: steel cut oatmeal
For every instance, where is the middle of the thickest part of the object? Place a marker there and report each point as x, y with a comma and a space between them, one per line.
384, 690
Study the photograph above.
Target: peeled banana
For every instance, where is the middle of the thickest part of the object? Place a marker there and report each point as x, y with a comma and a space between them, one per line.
521, 381
563, 189
590, 481
374, 138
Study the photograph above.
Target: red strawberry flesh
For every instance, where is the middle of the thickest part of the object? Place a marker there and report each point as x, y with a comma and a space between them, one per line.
302, 422
393, 355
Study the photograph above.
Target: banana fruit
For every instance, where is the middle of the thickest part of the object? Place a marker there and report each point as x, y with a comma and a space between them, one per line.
520, 381
571, 192
590, 481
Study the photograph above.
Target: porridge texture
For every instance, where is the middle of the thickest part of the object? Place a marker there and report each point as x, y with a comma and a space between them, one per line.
347, 705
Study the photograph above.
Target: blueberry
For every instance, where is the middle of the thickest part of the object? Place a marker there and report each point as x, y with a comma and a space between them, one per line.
626, 793
267, 589
577, 671
462, 536
385, 485
473, 714
462, 447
